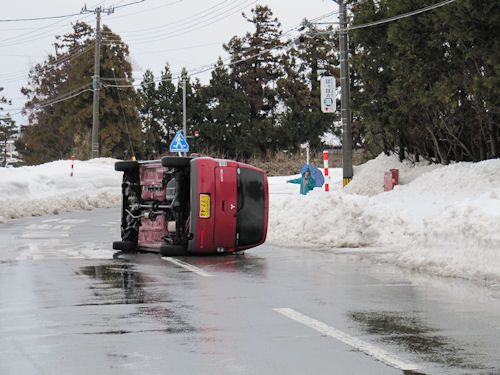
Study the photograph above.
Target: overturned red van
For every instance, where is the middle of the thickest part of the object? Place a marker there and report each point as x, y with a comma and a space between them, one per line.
184, 205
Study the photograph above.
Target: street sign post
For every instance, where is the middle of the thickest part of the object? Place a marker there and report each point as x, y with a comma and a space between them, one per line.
179, 143
328, 94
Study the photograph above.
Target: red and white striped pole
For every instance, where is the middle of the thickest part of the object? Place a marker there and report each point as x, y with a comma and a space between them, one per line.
72, 164
325, 165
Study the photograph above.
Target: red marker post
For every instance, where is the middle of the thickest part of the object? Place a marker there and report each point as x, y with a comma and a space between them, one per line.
325, 165
72, 164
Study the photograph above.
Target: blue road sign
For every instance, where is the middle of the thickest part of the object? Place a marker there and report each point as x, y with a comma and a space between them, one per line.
179, 143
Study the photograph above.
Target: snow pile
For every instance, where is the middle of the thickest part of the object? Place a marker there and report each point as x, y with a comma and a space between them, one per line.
445, 220
333, 220
49, 189
459, 209
369, 178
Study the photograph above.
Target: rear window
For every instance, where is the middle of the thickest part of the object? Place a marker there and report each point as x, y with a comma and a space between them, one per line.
250, 218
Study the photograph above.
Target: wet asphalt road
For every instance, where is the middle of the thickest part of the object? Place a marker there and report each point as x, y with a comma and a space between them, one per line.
68, 306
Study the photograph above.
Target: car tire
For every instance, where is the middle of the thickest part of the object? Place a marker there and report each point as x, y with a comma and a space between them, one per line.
124, 245
175, 161
173, 250
127, 166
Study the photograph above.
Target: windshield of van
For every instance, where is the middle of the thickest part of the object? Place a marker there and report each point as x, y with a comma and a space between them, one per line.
250, 218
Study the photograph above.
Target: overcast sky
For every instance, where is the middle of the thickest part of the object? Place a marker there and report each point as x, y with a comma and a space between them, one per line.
184, 33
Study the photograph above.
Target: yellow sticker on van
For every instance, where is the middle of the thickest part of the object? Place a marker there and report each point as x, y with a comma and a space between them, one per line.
204, 206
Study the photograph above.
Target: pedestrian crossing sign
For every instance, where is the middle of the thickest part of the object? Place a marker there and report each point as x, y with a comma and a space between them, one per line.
179, 143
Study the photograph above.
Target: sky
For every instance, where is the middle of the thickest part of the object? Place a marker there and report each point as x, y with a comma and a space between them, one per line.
184, 33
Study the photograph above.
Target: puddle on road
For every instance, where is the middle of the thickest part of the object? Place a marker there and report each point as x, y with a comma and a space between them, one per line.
411, 333
122, 284
118, 284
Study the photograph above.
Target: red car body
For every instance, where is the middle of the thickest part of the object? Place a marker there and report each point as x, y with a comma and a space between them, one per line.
193, 206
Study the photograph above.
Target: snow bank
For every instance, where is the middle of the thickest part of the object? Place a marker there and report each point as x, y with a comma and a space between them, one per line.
333, 220
441, 219
369, 178
49, 189
460, 219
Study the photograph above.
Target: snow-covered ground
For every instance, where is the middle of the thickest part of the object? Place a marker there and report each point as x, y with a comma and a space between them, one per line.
441, 219
49, 188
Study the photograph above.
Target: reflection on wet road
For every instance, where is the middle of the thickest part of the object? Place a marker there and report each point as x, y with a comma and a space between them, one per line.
68, 311
412, 334
117, 284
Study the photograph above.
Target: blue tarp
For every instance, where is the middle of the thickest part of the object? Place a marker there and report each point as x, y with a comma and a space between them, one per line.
316, 174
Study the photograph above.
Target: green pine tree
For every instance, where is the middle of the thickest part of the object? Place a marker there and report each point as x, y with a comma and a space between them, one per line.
256, 59
313, 56
60, 96
7, 128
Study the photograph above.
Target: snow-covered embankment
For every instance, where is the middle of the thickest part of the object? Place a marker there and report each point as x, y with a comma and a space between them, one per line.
49, 189
441, 219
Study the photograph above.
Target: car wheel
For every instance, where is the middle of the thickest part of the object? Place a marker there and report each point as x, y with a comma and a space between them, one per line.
175, 161
127, 166
124, 245
173, 250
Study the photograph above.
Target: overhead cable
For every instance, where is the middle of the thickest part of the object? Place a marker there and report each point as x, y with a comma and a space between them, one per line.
39, 18
182, 21
209, 67
409, 14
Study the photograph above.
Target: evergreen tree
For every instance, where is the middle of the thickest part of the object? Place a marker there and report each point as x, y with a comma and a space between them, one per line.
226, 114
120, 127
257, 74
154, 139
7, 128
428, 84
60, 100
312, 57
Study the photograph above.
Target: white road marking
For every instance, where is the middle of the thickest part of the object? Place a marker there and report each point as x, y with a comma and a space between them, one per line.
50, 220
187, 266
369, 349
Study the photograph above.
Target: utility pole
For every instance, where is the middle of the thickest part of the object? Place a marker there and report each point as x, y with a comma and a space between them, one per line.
96, 81
184, 105
184, 127
345, 96
96, 85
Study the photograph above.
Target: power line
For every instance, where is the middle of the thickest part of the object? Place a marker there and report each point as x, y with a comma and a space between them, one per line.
27, 37
96, 79
209, 67
75, 52
180, 48
409, 14
126, 5
182, 21
39, 18
189, 26
124, 117
113, 17
58, 99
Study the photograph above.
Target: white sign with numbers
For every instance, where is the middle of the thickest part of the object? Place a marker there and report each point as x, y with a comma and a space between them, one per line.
328, 94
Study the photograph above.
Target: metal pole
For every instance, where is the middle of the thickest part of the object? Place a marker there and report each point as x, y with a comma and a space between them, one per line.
345, 96
96, 86
184, 130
